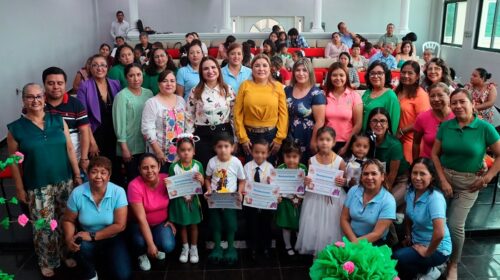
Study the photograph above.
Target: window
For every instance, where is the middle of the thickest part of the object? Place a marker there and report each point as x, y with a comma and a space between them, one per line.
454, 22
488, 33
264, 25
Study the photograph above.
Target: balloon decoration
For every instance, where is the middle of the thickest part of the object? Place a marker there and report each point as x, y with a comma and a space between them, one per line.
356, 261
16, 158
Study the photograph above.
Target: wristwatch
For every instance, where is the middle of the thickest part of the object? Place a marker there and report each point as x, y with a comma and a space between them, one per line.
92, 235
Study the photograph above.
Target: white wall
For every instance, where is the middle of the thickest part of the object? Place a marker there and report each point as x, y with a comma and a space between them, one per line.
465, 59
362, 16
39, 34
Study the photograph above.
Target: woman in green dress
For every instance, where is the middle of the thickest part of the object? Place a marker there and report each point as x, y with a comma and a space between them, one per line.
124, 56
159, 61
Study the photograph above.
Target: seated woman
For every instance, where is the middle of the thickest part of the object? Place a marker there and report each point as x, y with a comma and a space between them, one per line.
151, 231
335, 47
427, 239
82, 75
484, 95
96, 215
222, 53
405, 54
359, 62
124, 57
268, 48
436, 70
345, 60
369, 208
160, 61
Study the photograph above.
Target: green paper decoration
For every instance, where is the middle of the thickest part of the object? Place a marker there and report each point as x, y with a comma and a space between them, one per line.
40, 224
14, 200
5, 223
13, 159
6, 276
2, 200
371, 262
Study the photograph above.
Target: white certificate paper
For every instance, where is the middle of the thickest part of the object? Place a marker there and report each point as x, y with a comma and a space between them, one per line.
262, 196
182, 185
323, 181
289, 181
224, 200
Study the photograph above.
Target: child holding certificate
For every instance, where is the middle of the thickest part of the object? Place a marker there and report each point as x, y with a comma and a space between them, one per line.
225, 174
288, 213
320, 214
259, 220
186, 211
359, 148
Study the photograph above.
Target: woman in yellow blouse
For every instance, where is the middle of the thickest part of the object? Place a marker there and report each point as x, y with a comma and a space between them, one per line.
260, 110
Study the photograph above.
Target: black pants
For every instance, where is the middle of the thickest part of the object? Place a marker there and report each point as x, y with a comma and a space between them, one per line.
205, 147
269, 137
259, 232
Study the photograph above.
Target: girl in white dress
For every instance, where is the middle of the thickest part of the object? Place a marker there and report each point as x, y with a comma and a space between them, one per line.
320, 215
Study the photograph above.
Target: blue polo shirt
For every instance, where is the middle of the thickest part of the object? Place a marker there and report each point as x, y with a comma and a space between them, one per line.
429, 206
188, 78
347, 40
235, 82
91, 216
390, 60
364, 218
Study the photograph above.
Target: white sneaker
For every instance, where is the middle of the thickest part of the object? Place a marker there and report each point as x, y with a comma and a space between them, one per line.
193, 252
160, 256
144, 263
433, 274
95, 277
184, 255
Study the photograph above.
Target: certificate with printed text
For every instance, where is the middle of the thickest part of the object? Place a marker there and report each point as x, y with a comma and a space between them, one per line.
290, 181
323, 181
182, 185
224, 201
262, 196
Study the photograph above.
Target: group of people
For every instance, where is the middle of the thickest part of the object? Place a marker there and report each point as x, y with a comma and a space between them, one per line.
98, 162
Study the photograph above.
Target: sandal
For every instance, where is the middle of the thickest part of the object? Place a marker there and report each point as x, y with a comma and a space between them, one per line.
290, 252
47, 272
70, 262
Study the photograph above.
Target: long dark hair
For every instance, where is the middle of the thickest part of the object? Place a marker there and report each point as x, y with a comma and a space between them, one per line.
387, 72
152, 68
446, 78
272, 45
229, 40
329, 85
198, 90
356, 137
119, 51
383, 111
411, 89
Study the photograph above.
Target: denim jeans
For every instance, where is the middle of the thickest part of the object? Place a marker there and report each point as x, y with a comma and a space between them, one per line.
411, 263
115, 257
163, 238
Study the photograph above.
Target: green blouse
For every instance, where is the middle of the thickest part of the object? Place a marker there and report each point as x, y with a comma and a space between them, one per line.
151, 82
46, 159
117, 72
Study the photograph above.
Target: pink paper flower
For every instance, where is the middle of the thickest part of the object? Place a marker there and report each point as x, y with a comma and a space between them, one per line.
19, 154
22, 220
340, 244
349, 267
396, 278
172, 150
53, 224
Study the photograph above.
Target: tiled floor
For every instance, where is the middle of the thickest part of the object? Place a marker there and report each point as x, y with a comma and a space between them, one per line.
481, 255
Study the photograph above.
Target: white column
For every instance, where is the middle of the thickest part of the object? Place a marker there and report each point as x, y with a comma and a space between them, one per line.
404, 17
133, 9
226, 16
317, 19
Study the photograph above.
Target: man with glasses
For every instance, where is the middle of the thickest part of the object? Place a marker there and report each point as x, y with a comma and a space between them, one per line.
59, 102
385, 56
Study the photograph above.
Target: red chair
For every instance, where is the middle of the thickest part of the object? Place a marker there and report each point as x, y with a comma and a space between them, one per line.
174, 53
213, 52
314, 52
6, 174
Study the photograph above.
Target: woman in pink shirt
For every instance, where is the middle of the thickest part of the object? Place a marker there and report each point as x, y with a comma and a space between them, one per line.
344, 108
427, 123
334, 48
152, 233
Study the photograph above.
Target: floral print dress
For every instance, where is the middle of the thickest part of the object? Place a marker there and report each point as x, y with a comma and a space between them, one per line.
479, 97
301, 119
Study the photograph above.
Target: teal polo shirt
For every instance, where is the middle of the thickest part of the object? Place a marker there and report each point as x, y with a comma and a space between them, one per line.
94, 217
428, 207
235, 82
391, 149
188, 78
365, 217
463, 149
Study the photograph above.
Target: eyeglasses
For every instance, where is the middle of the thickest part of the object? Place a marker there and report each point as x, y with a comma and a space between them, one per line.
31, 98
99, 66
159, 56
381, 122
377, 74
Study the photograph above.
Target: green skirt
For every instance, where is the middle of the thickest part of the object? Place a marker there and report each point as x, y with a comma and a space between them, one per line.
287, 216
184, 214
